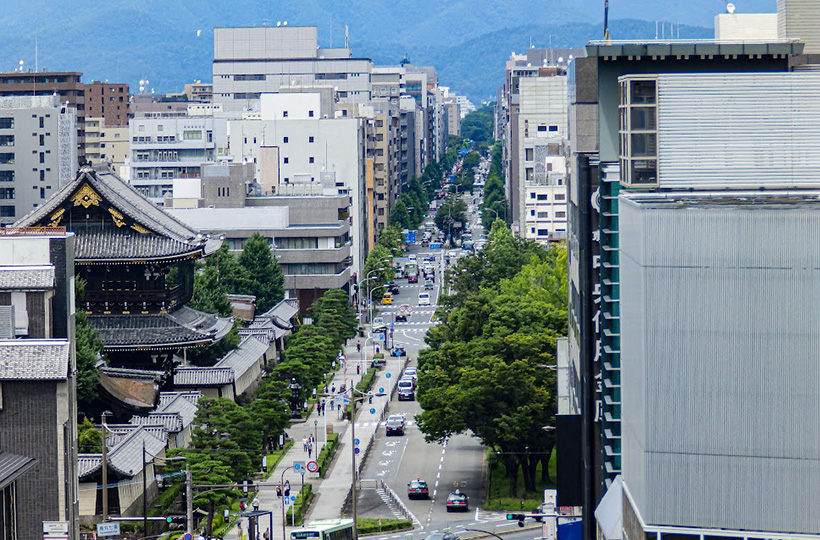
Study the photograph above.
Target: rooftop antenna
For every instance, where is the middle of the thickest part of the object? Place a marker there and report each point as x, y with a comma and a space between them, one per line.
730, 7
331, 30
606, 20
278, 23
284, 23
264, 22
36, 54
347, 38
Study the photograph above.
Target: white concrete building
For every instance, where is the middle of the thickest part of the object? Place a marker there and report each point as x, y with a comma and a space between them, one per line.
107, 144
249, 62
169, 146
300, 148
38, 152
545, 199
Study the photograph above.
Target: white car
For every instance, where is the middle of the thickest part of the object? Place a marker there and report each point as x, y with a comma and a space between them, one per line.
412, 257
378, 323
424, 299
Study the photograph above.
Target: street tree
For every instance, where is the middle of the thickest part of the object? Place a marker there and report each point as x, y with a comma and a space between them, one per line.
209, 294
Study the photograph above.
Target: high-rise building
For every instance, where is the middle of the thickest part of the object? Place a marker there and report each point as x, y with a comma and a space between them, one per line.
38, 152
66, 85
616, 145
109, 101
251, 61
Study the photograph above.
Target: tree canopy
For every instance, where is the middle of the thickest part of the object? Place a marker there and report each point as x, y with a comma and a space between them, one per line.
485, 371
478, 124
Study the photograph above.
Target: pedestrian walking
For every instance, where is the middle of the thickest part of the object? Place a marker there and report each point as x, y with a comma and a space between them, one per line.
359, 346
333, 388
310, 450
304, 444
358, 369
266, 534
331, 404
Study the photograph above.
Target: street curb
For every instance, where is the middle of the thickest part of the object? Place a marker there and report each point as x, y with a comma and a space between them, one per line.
499, 533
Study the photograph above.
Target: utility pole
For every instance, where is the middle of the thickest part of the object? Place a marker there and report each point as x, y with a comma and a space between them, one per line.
189, 499
353, 459
144, 494
104, 468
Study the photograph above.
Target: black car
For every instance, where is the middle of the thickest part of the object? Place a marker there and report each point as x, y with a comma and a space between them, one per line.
401, 317
457, 501
394, 425
417, 489
398, 352
394, 289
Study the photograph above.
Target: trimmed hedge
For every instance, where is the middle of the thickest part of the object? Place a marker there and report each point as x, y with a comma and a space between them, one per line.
376, 526
327, 453
300, 506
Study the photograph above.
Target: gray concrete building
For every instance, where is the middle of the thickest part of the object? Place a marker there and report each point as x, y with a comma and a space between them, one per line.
251, 61
38, 152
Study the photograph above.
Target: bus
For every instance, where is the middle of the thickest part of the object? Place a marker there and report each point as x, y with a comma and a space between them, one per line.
328, 529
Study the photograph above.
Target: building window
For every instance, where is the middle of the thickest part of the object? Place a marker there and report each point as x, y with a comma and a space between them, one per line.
311, 159
310, 114
560, 197
7, 158
285, 140
560, 215
543, 215
542, 197
42, 175
7, 193
8, 140
532, 195
286, 160
542, 129
6, 176
284, 114
192, 135
638, 134
6, 123
528, 154
310, 139
42, 122
532, 212
553, 129
543, 232
7, 211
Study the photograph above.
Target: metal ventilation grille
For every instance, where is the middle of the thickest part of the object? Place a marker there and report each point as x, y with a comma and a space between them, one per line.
6, 322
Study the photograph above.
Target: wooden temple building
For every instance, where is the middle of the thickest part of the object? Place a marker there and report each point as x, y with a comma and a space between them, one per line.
138, 266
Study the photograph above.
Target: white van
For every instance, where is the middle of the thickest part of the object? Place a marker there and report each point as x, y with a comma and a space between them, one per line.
424, 299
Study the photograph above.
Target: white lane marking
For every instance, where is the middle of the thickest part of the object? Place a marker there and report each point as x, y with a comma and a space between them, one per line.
438, 475
439, 466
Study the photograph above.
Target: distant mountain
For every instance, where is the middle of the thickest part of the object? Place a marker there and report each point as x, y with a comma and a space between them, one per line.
467, 40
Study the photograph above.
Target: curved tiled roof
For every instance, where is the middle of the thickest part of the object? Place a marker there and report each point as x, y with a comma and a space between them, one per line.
184, 326
136, 210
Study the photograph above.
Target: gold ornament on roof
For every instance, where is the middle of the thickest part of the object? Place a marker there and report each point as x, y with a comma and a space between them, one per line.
117, 217
86, 196
140, 229
56, 217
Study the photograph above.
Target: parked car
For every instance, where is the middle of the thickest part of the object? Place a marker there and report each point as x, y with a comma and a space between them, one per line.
428, 286
417, 489
457, 502
394, 425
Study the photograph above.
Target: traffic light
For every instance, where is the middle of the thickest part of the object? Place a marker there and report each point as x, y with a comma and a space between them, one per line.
175, 522
519, 517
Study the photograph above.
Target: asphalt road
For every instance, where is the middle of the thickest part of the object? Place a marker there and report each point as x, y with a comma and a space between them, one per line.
396, 460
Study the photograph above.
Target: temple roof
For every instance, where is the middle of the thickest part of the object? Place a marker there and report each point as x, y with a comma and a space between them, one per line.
183, 327
124, 225
135, 389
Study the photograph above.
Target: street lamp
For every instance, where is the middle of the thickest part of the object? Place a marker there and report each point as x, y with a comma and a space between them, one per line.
105, 466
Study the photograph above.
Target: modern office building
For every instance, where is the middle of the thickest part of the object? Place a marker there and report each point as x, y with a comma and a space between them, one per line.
38, 417
616, 142
66, 85
109, 101
800, 19
309, 233
251, 61
38, 152
299, 145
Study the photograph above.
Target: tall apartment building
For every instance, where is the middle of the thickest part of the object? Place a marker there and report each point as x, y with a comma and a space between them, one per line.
107, 144
109, 101
66, 85
300, 146
166, 147
199, 91
251, 61
38, 152
538, 194
38, 417
616, 142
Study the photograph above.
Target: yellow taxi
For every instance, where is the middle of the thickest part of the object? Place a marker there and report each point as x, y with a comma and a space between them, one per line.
387, 298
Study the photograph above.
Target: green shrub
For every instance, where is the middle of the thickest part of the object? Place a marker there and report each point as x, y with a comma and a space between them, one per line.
327, 453
374, 525
300, 506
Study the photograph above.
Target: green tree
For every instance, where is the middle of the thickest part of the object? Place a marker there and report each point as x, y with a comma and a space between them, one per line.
89, 348
89, 438
451, 213
399, 215
232, 276
209, 294
265, 278
391, 239
478, 124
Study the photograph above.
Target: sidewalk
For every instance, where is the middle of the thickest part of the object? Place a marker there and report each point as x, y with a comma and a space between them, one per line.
330, 493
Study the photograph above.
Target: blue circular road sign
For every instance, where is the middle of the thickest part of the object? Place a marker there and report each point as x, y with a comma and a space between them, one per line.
387, 375
355, 450
381, 390
372, 411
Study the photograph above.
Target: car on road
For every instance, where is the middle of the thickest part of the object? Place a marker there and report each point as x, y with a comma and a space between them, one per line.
417, 489
410, 372
387, 298
412, 257
457, 502
424, 299
406, 389
394, 290
413, 278
401, 317
378, 324
398, 352
428, 286
430, 258
394, 425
